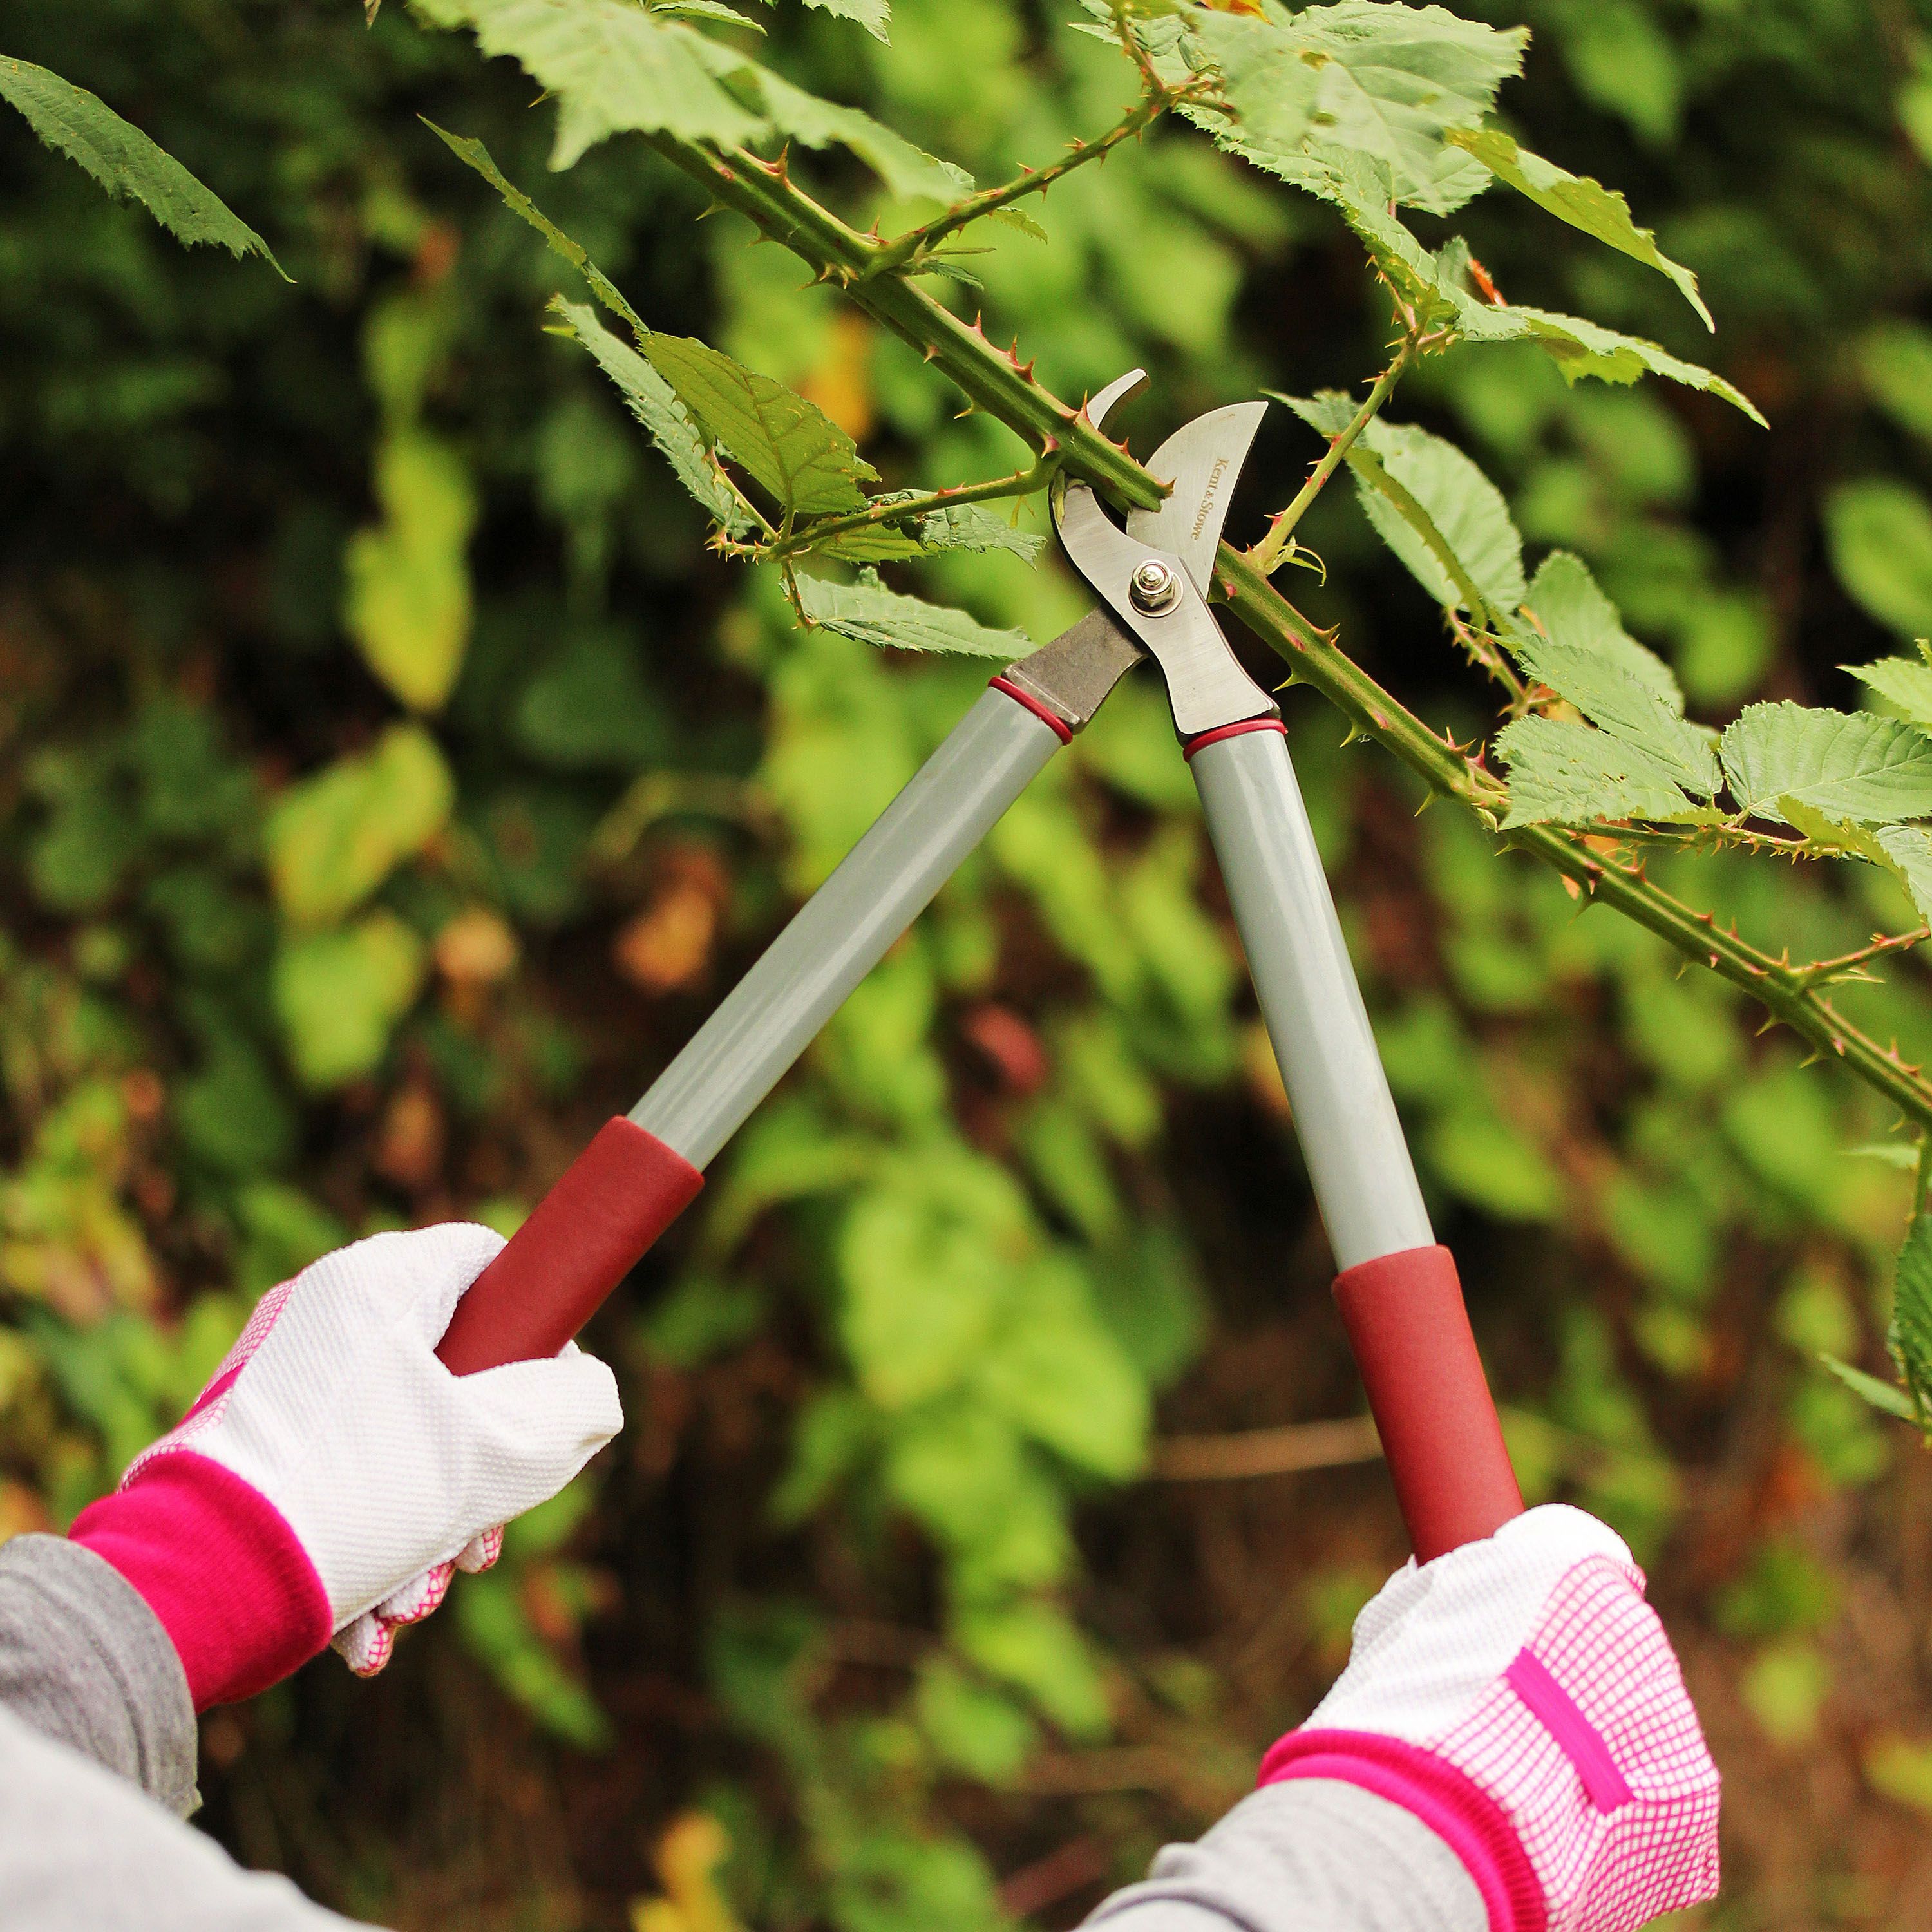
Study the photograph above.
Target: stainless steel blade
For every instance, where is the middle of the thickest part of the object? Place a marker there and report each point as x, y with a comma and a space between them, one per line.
1204, 458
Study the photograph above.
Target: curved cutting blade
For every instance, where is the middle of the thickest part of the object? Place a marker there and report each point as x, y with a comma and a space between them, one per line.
1205, 458
1096, 407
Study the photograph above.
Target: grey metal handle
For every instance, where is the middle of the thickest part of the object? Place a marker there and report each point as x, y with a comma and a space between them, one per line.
846, 928
1358, 1159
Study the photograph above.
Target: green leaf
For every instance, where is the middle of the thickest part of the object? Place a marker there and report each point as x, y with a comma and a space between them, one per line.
652, 401
1880, 1395
1564, 598
1880, 535
872, 15
873, 615
1267, 79
1867, 769
1904, 850
333, 838
406, 581
1568, 774
1908, 856
910, 173
1909, 1335
957, 526
614, 68
476, 155
1034, 1647
1580, 349
970, 1725
1895, 359
1054, 1369
790, 446
339, 995
129, 166
1621, 704
1583, 203
1440, 514
1904, 681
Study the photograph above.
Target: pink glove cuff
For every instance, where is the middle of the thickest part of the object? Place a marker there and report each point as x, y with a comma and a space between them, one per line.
1453, 1805
233, 1588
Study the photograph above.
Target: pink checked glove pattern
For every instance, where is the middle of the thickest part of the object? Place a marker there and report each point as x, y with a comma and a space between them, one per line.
333, 1473
1520, 1697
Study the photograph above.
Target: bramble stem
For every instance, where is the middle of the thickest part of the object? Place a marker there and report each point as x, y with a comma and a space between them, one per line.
1266, 555
995, 380
907, 253
1021, 483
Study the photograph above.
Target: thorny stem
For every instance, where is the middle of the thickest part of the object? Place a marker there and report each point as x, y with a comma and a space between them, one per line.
907, 253
996, 380
1847, 965
1021, 483
1266, 555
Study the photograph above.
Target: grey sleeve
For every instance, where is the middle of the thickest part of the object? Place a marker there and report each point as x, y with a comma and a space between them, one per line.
97, 1750
84, 1661
1310, 1855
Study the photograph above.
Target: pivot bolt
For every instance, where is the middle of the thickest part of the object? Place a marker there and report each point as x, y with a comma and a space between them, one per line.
1154, 588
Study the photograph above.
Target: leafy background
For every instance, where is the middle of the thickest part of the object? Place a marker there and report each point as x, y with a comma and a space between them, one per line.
393, 780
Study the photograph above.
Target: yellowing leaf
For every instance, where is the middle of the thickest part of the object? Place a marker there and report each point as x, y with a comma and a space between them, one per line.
800, 456
129, 166
333, 838
1584, 203
339, 995
407, 603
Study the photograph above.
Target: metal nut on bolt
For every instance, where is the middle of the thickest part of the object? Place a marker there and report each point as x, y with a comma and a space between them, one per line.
1154, 588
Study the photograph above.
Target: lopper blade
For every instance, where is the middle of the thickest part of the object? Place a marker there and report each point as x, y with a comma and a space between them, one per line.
1205, 458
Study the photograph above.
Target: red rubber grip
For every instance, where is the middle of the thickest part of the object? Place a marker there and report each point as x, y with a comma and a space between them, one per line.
586, 1235
1410, 1332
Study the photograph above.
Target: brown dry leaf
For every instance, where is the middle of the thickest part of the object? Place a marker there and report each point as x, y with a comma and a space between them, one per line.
410, 1149
22, 1512
668, 944
1010, 1044
476, 948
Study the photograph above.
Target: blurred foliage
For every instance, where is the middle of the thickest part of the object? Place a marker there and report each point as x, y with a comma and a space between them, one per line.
393, 780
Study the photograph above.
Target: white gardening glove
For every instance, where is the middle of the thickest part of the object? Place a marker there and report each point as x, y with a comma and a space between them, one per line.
1520, 1698
331, 1475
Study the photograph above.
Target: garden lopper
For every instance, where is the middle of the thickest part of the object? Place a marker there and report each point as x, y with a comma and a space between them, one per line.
1398, 1291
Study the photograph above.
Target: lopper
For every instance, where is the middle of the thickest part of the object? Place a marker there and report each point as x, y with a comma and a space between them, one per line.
1398, 1290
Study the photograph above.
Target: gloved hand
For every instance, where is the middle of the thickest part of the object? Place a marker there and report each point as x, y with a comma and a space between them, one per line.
1520, 1698
333, 1472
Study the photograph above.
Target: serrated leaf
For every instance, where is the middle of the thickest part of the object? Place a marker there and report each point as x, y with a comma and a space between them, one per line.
1880, 535
1904, 681
707, 9
1360, 79
909, 171
1617, 703
1573, 611
1267, 78
873, 615
407, 599
122, 159
614, 67
1567, 774
1431, 504
332, 839
1580, 349
790, 446
1870, 770
1905, 851
872, 15
651, 400
473, 153
1583, 203
956, 526
1881, 1395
